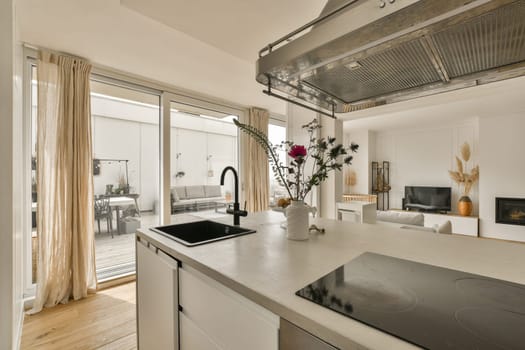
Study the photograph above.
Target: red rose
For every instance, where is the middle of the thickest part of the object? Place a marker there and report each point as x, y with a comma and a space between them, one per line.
297, 151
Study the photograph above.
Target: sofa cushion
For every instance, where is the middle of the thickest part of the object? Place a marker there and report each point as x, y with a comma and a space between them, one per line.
181, 192
212, 190
445, 227
195, 192
401, 217
174, 195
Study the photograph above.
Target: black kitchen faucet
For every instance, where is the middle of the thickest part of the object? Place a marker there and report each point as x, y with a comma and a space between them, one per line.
236, 212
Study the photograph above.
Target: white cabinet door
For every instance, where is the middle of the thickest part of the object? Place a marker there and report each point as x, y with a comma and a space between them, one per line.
157, 299
192, 337
227, 318
356, 211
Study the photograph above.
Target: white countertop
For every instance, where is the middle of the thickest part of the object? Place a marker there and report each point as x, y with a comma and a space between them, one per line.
268, 268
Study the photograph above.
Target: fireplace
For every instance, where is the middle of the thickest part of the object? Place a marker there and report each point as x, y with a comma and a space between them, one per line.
510, 211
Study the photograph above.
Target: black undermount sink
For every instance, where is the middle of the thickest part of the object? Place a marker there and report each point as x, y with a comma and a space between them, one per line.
200, 232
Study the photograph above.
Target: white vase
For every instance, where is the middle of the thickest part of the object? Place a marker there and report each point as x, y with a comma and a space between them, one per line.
297, 221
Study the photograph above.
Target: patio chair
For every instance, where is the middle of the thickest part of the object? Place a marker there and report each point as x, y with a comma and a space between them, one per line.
103, 211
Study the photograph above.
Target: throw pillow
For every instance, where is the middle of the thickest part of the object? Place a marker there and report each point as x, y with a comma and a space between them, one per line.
445, 227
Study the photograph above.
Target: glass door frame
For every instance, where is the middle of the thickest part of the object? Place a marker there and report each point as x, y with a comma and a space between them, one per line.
29, 286
167, 99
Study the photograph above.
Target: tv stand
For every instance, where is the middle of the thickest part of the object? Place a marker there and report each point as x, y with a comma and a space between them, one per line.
425, 208
430, 211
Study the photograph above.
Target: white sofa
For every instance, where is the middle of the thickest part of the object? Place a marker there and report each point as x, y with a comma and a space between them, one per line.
195, 197
411, 221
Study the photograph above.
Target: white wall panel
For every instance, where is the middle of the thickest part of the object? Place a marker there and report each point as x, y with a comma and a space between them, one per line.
502, 171
11, 180
223, 151
423, 156
116, 139
361, 163
193, 148
148, 173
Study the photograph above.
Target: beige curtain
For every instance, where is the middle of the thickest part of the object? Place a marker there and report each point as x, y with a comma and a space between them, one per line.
255, 165
66, 256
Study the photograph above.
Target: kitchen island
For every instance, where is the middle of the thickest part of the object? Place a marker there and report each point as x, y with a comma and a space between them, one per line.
268, 269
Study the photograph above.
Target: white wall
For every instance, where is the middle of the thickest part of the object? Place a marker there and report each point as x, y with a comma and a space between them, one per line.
21, 216
115, 36
331, 190
361, 163
6, 175
502, 170
11, 189
116, 139
422, 156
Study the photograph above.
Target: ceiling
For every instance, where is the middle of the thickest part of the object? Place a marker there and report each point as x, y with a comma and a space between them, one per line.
238, 27
210, 47
204, 47
451, 107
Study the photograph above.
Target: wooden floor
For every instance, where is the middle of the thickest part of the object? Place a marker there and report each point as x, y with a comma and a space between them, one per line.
105, 320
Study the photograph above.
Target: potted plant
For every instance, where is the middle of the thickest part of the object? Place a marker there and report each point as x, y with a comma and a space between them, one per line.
465, 179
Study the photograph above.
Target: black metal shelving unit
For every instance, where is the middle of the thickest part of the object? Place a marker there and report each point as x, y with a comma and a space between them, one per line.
381, 184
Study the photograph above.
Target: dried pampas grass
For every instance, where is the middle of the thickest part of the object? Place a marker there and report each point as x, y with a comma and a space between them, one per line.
465, 152
454, 175
459, 164
351, 178
467, 180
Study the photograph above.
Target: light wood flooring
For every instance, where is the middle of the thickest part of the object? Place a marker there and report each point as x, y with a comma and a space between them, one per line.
105, 320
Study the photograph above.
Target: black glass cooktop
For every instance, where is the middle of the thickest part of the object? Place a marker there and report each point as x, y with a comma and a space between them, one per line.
430, 306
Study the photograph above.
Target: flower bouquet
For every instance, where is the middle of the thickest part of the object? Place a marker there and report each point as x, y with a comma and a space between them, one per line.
323, 155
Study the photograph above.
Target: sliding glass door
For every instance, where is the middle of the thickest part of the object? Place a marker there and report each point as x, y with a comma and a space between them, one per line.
126, 148
204, 141
158, 157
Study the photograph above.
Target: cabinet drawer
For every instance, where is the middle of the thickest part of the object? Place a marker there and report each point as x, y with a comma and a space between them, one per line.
193, 338
229, 319
295, 338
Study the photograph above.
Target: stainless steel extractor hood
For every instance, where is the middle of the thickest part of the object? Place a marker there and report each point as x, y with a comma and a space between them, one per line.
364, 53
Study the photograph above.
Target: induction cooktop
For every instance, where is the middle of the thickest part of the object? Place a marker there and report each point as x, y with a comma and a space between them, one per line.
429, 306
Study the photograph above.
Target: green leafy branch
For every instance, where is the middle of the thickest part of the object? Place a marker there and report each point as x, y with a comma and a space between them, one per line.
269, 149
324, 152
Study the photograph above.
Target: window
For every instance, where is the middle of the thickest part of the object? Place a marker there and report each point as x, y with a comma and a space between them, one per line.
276, 135
203, 143
127, 167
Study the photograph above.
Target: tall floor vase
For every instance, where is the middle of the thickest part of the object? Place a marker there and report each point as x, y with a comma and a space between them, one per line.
297, 221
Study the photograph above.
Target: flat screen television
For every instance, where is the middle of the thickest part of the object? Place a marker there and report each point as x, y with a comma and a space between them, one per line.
424, 198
